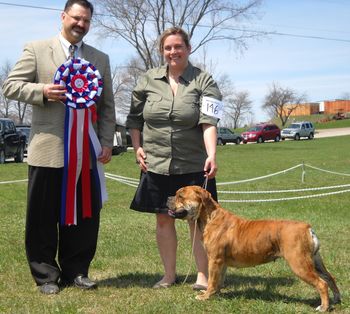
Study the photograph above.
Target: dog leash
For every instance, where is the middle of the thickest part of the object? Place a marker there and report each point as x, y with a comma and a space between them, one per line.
204, 186
205, 183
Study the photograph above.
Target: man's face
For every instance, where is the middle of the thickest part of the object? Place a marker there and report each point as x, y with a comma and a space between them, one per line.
75, 23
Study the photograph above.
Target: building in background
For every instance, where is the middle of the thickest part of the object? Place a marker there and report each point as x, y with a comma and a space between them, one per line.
338, 107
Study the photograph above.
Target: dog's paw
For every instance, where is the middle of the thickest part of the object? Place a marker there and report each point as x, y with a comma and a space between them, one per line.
321, 309
337, 299
202, 297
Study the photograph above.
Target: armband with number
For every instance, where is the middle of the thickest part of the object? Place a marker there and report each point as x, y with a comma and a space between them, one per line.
212, 107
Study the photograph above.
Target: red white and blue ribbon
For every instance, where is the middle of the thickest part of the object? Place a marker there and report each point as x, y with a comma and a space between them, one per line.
84, 85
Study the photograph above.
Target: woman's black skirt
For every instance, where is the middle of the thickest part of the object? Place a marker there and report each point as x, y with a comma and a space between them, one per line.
154, 189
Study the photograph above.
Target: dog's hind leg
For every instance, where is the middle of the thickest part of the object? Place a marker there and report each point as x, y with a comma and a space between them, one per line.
325, 275
304, 268
216, 268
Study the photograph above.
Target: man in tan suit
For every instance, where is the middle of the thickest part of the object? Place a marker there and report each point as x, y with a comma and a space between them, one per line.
31, 82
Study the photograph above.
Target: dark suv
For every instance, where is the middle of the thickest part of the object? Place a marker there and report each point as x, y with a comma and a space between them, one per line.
25, 129
12, 142
262, 132
225, 135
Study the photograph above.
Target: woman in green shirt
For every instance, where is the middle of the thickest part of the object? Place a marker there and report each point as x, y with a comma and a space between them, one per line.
172, 109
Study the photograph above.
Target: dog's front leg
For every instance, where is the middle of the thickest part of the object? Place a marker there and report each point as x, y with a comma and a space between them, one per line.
216, 268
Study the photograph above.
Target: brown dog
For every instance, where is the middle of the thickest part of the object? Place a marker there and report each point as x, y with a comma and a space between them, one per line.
233, 241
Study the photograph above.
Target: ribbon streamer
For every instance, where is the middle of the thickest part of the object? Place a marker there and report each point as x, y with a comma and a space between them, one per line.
81, 145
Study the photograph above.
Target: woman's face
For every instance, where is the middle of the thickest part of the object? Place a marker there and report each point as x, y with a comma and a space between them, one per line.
176, 52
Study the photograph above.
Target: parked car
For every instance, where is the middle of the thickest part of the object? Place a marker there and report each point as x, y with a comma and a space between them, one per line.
119, 141
262, 132
25, 129
225, 135
12, 142
299, 129
128, 138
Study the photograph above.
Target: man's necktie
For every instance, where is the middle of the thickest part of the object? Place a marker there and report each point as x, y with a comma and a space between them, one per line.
72, 49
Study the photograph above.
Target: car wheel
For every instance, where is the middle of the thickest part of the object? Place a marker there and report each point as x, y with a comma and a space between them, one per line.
237, 141
260, 140
297, 137
311, 136
20, 155
2, 157
220, 142
277, 139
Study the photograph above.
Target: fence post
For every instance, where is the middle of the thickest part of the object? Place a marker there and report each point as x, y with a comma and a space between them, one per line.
303, 173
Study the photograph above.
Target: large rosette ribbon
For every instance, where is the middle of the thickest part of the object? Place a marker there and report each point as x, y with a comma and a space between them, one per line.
81, 145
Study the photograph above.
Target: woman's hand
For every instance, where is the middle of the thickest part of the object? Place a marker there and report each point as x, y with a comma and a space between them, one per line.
140, 159
210, 167
140, 155
210, 137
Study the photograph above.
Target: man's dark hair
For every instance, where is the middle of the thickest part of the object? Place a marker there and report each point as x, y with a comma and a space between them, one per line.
84, 3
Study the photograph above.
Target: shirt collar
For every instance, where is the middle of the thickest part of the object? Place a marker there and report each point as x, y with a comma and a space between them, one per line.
65, 45
163, 72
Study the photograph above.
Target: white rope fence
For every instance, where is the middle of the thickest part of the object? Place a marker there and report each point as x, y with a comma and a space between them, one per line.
259, 178
287, 191
14, 181
134, 183
284, 198
128, 181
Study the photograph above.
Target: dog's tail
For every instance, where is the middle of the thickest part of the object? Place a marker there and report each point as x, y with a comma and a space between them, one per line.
322, 270
315, 241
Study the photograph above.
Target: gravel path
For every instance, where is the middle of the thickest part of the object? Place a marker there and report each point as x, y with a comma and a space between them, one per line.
332, 132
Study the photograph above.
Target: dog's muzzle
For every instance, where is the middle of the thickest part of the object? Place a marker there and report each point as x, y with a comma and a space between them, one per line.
179, 213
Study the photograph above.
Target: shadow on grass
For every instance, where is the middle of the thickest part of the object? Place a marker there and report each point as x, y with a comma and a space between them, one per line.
146, 280
236, 286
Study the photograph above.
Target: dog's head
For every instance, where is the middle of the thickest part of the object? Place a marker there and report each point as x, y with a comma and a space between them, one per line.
189, 202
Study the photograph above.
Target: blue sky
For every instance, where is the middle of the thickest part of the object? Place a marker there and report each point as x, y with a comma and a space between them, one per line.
318, 67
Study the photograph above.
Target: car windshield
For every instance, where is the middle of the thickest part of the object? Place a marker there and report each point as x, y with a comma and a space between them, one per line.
255, 128
294, 126
26, 131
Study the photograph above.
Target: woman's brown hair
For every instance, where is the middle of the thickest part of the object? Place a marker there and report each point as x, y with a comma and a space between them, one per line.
173, 31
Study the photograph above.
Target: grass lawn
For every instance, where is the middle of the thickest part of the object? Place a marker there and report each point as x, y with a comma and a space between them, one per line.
127, 263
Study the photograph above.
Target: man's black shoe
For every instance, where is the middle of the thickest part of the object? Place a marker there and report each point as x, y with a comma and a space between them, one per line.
49, 288
84, 282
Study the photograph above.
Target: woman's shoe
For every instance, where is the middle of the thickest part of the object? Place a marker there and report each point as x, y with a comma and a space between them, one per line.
199, 287
164, 285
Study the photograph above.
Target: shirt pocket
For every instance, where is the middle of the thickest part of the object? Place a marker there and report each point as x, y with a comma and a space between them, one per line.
156, 108
153, 99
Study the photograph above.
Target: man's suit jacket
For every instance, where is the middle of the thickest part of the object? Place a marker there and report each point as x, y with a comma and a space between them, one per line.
25, 83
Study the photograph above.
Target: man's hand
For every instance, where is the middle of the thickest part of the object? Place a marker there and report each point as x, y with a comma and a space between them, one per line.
105, 155
54, 92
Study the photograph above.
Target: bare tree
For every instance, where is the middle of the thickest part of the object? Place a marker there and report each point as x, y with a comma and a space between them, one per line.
23, 112
16, 110
124, 80
238, 107
281, 102
5, 103
237, 104
140, 22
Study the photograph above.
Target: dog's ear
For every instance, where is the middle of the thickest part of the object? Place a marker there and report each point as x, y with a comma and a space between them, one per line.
202, 195
207, 200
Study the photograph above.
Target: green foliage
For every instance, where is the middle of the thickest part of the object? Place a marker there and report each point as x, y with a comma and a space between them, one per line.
127, 263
